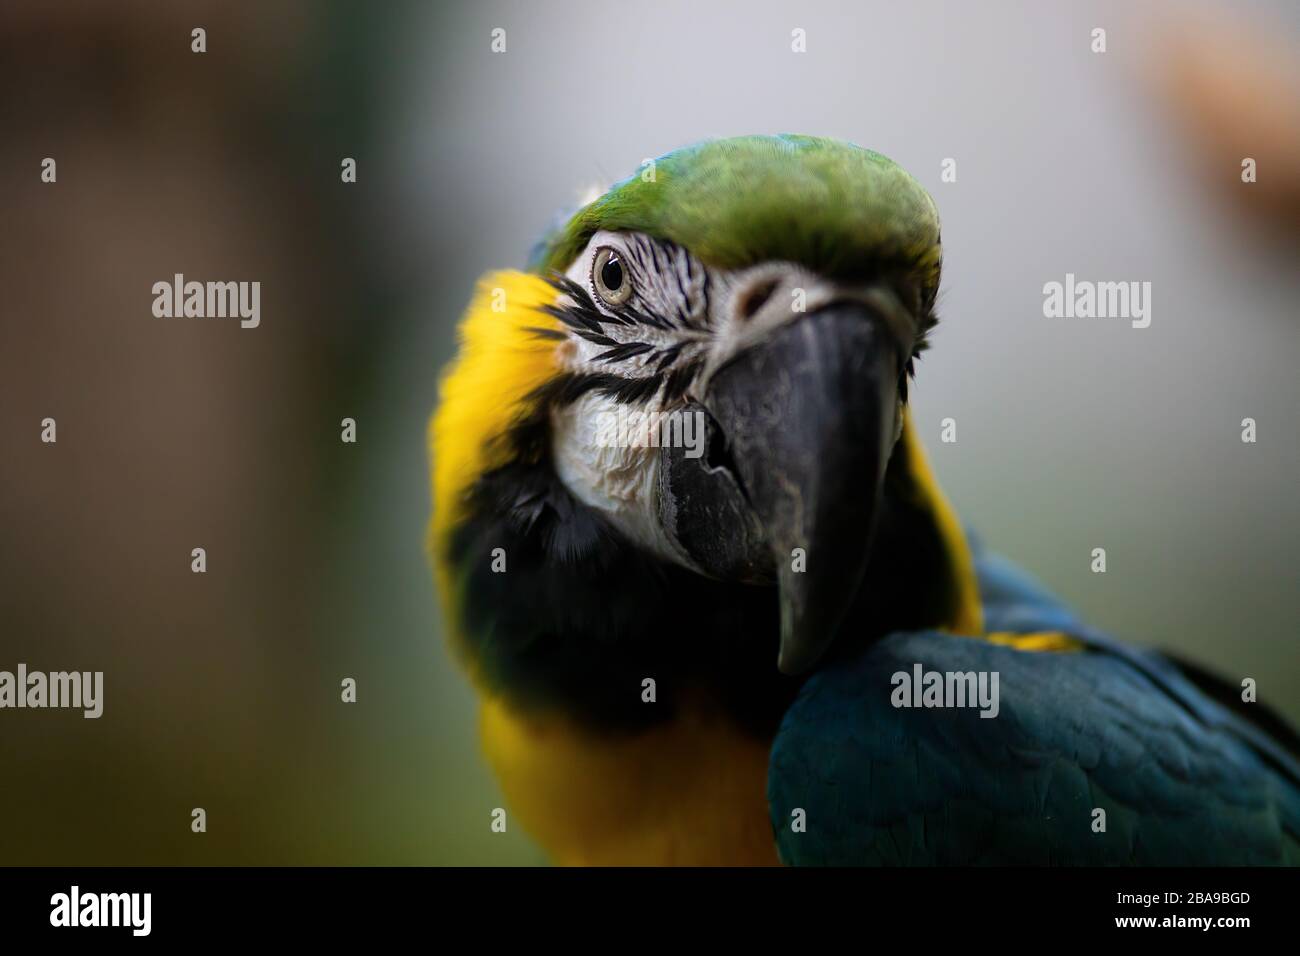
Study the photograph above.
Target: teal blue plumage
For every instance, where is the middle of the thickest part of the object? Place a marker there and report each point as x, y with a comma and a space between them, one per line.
1182, 779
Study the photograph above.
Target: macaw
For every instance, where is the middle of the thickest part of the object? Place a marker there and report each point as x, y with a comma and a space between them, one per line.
760, 635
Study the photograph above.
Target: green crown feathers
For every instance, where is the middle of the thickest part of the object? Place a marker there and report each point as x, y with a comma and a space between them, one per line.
836, 208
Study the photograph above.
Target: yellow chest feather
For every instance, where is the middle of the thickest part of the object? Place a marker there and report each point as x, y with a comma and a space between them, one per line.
692, 792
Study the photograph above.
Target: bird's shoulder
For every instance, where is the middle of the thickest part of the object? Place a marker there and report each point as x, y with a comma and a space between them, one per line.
931, 748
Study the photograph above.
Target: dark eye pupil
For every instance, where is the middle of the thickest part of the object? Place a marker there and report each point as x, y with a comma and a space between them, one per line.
611, 274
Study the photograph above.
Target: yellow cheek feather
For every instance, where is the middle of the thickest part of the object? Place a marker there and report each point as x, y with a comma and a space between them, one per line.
500, 363
968, 614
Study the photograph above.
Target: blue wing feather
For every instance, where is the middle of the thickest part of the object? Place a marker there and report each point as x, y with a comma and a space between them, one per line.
1181, 779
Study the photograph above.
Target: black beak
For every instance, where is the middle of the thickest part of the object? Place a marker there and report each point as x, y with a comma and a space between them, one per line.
809, 419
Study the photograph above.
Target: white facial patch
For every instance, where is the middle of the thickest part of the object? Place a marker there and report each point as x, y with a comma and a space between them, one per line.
618, 480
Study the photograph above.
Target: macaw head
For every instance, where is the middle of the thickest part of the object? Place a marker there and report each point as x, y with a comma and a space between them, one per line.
709, 364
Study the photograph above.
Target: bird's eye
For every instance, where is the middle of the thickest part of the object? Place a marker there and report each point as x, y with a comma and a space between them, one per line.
609, 277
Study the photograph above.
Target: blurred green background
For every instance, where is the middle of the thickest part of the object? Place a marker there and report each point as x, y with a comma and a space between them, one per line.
222, 690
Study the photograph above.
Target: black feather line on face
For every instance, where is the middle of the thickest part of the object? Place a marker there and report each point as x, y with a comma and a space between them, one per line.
585, 320
596, 339
575, 318
680, 380
705, 292
625, 351
667, 356
585, 315
552, 334
650, 319
625, 391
